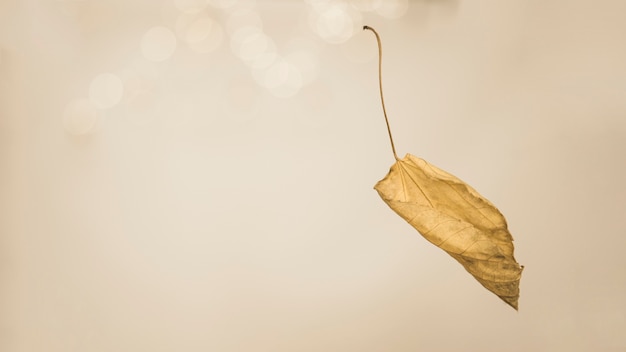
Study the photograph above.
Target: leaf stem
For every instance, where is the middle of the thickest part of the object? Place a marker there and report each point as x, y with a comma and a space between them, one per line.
380, 85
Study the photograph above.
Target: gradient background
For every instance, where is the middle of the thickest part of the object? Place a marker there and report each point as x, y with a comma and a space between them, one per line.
206, 185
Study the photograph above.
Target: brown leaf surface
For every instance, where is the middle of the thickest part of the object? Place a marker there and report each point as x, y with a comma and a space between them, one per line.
454, 217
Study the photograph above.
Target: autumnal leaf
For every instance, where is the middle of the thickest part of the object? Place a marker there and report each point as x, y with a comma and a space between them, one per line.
454, 217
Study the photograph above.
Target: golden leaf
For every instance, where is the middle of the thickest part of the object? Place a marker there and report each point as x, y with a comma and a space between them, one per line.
453, 216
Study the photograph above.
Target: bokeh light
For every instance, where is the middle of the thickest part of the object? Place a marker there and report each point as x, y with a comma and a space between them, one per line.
80, 117
320, 5
211, 42
190, 6
158, 44
242, 5
223, 4
392, 9
304, 54
253, 47
106, 90
307, 64
202, 33
335, 22
243, 18
282, 79
200, 29
365, 5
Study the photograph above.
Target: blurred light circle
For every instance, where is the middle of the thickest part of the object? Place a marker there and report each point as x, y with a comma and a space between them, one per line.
158, 44
307, 64
168, 12
202, 33
199, 29
304, 53
80, 117
336, 23
243, 5
239, 36
283, 79
254, 47
392, 9
365, 5
264, 59
190, 6
211, 41
322, 5
243, 18
223, 4
106, 90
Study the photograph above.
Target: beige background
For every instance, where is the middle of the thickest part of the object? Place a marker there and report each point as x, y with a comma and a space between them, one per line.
207, 185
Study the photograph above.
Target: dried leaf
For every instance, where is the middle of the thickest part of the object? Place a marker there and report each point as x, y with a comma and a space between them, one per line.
454, 217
